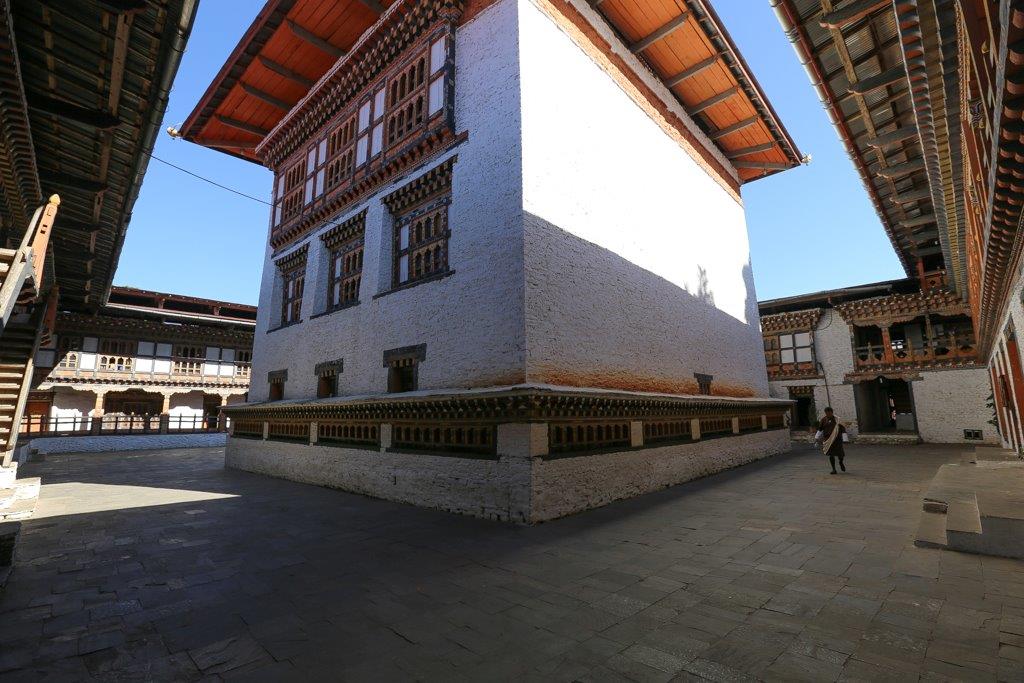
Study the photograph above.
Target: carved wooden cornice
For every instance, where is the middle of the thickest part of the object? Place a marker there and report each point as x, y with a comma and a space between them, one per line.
296, 259
343, 232
897, 308
399, 27
509, 405
88, 383
792, 321
432, 143
908, 372
151, 330
782, 375
434, 181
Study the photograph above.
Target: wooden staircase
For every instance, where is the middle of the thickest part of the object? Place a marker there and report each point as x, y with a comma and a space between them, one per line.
22, 269
17, 348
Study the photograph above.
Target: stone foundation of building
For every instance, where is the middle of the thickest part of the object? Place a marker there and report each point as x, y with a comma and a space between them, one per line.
521, 454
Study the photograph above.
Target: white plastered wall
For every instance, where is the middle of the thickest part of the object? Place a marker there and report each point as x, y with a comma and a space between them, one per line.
638, 263
833, 352
71, 409
472, 321
950, 401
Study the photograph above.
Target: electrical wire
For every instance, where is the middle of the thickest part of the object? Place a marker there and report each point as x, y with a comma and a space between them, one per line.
204, 179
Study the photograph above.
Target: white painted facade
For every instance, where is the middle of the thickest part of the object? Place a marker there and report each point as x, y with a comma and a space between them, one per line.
577, 260
946, 401
1012, 317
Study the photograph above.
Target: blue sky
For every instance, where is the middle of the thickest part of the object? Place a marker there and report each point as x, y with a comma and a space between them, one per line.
811, 228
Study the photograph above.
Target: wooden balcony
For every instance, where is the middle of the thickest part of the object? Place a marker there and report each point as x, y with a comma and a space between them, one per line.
942, 350
181, 370
782, 371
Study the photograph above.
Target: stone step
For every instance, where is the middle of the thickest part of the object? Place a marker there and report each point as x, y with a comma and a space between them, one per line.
23, 489
21, 509
963, 525
8, 475
1002, 523
931, 530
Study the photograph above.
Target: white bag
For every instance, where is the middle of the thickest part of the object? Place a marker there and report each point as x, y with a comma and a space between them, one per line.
846, 438
818, 435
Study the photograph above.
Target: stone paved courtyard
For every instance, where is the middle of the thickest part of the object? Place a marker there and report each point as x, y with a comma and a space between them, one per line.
162, 565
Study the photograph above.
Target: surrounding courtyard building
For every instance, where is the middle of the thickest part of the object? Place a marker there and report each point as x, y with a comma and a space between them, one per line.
508, 271
146, 361
896, 360
924, 95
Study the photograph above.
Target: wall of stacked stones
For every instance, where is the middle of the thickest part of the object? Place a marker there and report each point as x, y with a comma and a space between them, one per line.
522, 482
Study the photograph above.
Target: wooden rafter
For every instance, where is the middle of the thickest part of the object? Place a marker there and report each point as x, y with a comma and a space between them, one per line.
744, 151
691, 71
900, 170
281, 70
72, 112
659, 33
231, 144
927, 219
762, 165
49, 176
913, 196
739, 125
264, 96
836, 19
243, 126
866, 85
314, 40
712, 101
374, 5
892, 137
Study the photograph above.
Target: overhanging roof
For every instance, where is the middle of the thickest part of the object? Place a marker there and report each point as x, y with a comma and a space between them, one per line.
855, 57
95, 77
292, 44
287, 48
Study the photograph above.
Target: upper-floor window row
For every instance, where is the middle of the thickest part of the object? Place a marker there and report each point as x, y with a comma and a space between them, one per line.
386, 117
789, 349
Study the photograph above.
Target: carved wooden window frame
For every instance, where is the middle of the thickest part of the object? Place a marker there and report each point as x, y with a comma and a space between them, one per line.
344, 244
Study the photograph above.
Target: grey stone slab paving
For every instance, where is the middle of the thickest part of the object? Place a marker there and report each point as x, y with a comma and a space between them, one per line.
162, 565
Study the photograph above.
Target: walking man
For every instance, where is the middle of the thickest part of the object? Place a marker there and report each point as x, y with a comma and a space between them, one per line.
831, 434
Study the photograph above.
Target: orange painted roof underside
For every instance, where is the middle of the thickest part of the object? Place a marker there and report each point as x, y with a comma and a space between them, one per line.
230, 117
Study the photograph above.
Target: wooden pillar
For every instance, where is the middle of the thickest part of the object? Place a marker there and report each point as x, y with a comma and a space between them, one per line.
97, 411
166, 405
887, 355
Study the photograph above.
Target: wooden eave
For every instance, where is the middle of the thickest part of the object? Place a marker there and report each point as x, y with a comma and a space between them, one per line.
274, 65
163, 303
113, 322
19, 179
791, 321
95, 83
879, 125
697, 60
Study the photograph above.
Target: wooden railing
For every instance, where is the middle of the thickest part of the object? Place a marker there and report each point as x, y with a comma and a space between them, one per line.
23, 281
118, 424
126, 367
944, 348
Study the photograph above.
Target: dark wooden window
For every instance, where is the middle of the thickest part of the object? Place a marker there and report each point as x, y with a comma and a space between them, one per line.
291, 302
346, 273
277, 378
402, 378
327, 386
403, 367
421, 241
